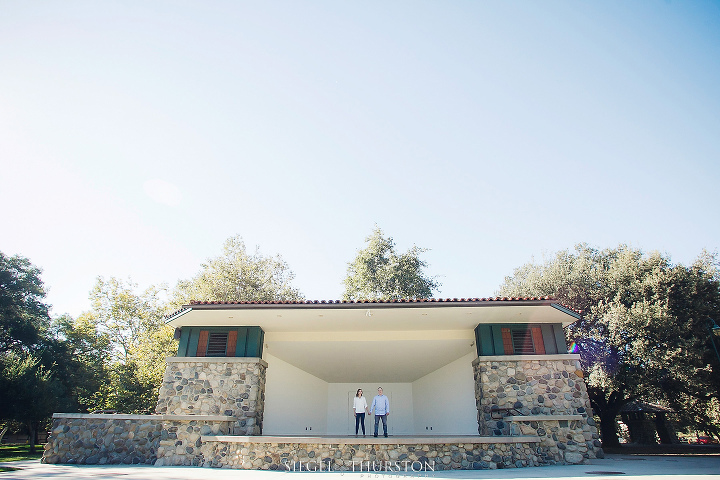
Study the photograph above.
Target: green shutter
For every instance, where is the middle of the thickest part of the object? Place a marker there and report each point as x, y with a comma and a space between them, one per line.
549, 339
560, 338
193, 342
484, 340
497, 339
241, 342
254, 345
184, 342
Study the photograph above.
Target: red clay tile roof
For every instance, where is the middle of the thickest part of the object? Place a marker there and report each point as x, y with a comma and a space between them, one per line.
379, 302
401, 300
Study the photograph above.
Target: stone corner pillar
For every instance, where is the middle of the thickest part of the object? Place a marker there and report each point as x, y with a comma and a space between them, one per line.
231, 386
537, 385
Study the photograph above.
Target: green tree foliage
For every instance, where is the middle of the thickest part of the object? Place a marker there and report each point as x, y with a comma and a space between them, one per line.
236, 276
111, 357
126, 391
645, 329
23, 313
29, 392
150, 354
379, 272
80, 354
125, 315
127, 327
692, 386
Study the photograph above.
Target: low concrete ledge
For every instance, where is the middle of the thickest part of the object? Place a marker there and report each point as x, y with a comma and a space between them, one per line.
107, 416
525, 358
204, 418
123, 416
217, 360
540, 418
370, 440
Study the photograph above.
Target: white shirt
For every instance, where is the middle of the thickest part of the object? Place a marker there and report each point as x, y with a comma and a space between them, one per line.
359, 405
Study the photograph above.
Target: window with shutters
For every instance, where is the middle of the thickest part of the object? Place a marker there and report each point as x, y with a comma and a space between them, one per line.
221, 342
519, 339
216, 345
522, 342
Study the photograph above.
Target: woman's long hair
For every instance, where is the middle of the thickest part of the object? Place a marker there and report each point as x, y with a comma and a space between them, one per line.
357, 394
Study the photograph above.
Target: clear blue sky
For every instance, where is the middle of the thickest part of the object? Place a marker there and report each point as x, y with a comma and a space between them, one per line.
136, 136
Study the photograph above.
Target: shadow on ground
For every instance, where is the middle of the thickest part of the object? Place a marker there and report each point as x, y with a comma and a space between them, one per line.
672, 449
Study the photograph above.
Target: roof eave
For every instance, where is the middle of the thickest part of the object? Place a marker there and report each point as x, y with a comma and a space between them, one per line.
364, 304
567, 310
173, 316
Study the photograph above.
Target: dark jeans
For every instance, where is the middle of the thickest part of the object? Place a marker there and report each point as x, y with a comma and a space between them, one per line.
384, 420
359, 420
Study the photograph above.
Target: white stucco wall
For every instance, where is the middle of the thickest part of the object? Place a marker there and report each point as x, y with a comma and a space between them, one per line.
445, 400
341, 421
294, 400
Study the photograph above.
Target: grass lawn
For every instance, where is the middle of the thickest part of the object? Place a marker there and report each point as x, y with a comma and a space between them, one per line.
13, 453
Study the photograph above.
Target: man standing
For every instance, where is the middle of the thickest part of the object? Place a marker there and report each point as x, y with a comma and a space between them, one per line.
381, 409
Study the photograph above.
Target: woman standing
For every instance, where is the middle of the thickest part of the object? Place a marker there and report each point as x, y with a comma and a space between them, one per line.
360, 407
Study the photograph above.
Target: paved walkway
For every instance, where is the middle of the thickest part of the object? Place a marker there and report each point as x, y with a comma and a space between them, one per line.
614, 466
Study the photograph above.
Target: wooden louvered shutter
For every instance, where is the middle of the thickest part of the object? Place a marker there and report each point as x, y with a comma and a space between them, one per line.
202, 343
507, 341
231, 343
537, 338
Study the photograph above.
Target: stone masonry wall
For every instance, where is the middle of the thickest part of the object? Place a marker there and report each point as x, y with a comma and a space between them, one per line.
103, 440
114, 439
536, 385
216, 386
180, 441
344, 457
571, 441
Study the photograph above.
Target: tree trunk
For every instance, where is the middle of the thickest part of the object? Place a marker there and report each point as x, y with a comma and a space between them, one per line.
36, 429
31, 436
607, 407
2, 434
608, 428
662, 428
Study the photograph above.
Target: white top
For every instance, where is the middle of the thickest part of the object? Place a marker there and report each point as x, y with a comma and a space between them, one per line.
360, 405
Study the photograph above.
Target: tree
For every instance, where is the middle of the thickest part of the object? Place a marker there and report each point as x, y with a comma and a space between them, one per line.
379, 272
128, 325
123, 314
28, 390
129, 328
149, 356
693, 387
80, 354
236, 276
644, 333
23, 314
30, 393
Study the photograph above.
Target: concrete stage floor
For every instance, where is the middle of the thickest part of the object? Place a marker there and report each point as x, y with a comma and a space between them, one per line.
657, 467
371, 440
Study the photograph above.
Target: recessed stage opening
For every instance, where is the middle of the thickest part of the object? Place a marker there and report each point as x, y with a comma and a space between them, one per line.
427, 376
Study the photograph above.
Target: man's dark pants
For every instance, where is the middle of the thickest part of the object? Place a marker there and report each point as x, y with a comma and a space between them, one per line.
384, 420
